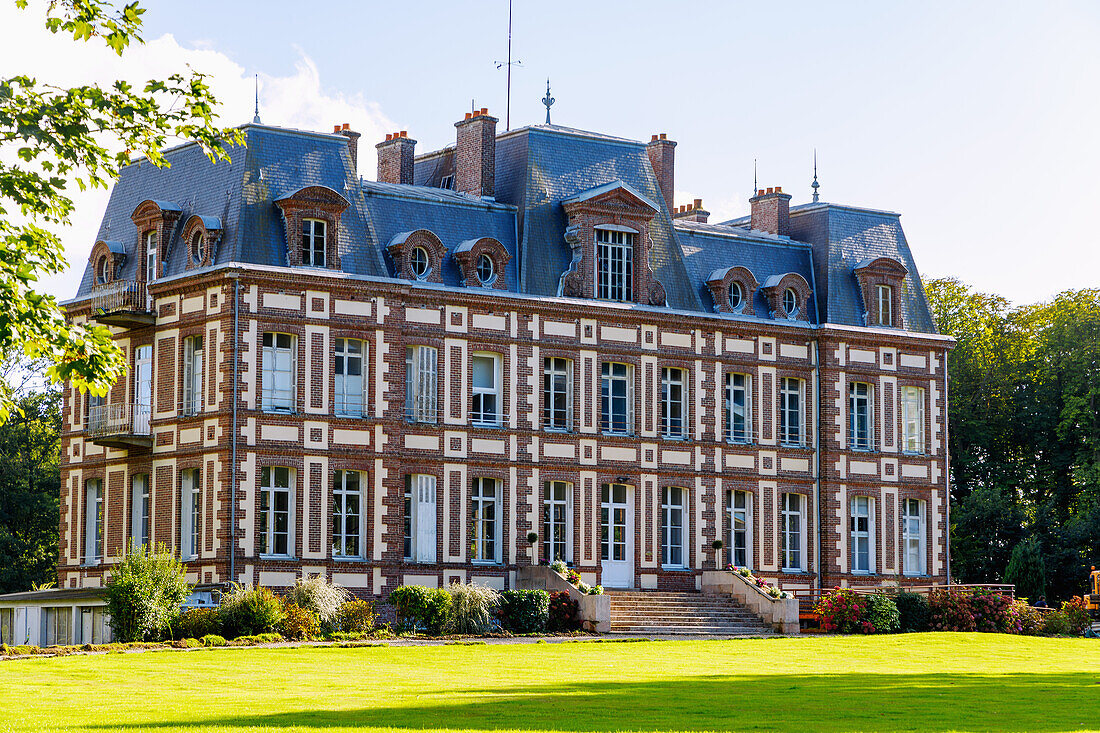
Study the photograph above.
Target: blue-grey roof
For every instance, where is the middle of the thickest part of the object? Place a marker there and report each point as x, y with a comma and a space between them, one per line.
616, 184
115, 247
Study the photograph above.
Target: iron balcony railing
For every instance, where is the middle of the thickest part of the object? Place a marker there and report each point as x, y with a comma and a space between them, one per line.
122, 295
118, 419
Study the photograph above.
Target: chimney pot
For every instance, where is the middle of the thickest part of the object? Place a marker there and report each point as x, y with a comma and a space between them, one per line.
345, 126
664, 136
396, 158
404, 133
771, 211
484, 111
336, 128
779, 189
698, 204
469, 115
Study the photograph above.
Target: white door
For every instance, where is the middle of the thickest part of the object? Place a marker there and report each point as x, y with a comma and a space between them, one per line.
617, 535
21, 633
143, 389
425, 518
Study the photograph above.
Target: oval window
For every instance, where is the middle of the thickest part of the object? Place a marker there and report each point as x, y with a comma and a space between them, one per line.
737, 295
486, 273
420, 263
197, 250
790, 302
102, 270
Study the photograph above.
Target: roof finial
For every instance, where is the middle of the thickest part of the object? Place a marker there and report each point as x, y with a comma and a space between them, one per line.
754, 189
256, 116
815, 185
548, 100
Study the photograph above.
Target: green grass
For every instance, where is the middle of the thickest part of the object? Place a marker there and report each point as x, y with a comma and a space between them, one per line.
932, 682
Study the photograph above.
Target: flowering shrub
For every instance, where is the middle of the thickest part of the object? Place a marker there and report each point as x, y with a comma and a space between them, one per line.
760, 583
357, 617
558, 566
573, 577
564, 613
1024, 619
1077, 615
596, 590
882, 614
991, 612
950, 611
844, 611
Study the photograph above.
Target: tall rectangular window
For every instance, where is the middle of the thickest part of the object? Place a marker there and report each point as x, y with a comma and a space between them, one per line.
485, 409
93, 521
192, 375
347, 514
57, 626
617, 398
912, 536
275, 509
738, 413
420, 518
279, 372
143, 388
673, 403
613, 526
859, 416
790, 411
150, 256
348, 387
738, 508
96, 405
672, 527
485, 518
860, 510
556, 515
912, 419
420, 384
139, 510
557, 393
313, 242
790, 534
614, 265
190, 513
884, 295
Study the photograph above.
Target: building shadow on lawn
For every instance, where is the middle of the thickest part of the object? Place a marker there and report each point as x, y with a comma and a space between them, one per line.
927, 702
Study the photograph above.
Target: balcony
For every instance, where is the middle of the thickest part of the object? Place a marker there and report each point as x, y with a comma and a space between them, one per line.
123, 304
121, 425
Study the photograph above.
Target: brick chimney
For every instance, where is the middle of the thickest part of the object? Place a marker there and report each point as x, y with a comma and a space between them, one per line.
692, 212
662, 156
395, 158
353, 143
476, 153
771, 211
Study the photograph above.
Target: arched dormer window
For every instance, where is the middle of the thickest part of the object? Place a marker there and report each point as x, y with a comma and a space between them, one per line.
418, 255
881, 281
787, 296
201, 235
311, 216
155, 221
733, 290
483, 263
106, 260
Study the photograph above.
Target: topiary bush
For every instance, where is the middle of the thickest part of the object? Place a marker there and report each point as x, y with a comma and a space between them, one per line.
950, 611
524, 611
882, 614
299, 622
473, 608
357, 617
913, 611
843, 611
145, 593
421, 609
196, 623
564, 614
319, 596
248, 611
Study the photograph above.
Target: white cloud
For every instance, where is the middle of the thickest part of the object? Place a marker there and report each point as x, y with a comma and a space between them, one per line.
298, 100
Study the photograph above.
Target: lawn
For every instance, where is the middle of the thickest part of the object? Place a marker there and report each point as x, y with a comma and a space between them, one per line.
932, 682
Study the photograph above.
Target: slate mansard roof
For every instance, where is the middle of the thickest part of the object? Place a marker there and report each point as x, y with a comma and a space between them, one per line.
537, 168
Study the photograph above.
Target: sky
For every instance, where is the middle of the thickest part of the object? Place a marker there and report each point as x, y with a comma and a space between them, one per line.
976, 121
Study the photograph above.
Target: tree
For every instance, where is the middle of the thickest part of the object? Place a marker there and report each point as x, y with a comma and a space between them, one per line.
79, 136
1026, 570
145, 593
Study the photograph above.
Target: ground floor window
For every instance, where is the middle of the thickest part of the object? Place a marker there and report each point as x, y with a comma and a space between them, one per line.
57, 626
555, 521
93, 521
139, 510
7, 625
912, 537
190, 513
861, 534
791, 549
275, 537
347, 514
420, 517
613, 509
94, 625
738, 508
672, 527
485, 518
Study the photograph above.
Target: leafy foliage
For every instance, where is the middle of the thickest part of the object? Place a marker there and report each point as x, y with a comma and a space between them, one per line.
913, 611
145, 593
524, 611
1026, 569
248, 611
357, 617
421, 609
563, 613
882, 614
843, 611
299, 622
195, 623
472, 608
319, 596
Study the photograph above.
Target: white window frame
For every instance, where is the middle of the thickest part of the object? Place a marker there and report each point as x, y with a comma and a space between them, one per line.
861, 416
486, 280
57, 626
556, 369
198, 246
485, 521
607, 380
674, 520
792, 526
192, 375
349, 393
614, 263
190, 513
314, 232
555, 531
93, 521
790, 303
270, 490
745, 389
143, 388
744, 542
486, 402
151, 256
884, 301
139, 510
912, 420
414, 257
418, 485
421, 384
280, 364
671, 384
789, 417
736, 287
861, 526
913, 536
347, 485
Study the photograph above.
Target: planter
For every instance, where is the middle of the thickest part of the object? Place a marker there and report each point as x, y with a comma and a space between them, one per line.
595, 611
781, 613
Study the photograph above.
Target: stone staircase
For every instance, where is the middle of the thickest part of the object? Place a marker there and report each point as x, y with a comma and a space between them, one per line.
660, 613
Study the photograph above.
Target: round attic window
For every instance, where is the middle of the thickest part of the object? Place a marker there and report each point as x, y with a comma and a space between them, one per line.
790, 302
198, 253
420, 263
486, 272
737, 295
102, 270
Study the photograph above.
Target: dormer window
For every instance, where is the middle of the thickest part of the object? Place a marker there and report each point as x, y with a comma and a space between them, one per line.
103, 270
483, 263
614, 265
420, 263
880, 280
198, 250
737, 296
447, 182
787, 296
150, 256
486, 272
155, 222
313, 243
790, 302
885, 301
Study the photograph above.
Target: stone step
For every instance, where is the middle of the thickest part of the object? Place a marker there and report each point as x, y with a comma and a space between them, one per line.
673, 613
694, 630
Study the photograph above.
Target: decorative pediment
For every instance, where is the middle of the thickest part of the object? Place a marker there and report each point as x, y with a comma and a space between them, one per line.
881, 266
318, 197
617, 195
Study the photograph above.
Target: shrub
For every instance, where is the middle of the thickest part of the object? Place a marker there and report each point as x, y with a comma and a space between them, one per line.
319, 596
299, 622
186, 643
197, 622
882, 614
842, 611
213, 640
990, 611
564, 614
472, 608
269, 638
1077, 615
524, 611
357, 617
558, 566
247, 611
913, 611
1024, 618
145, 593
1026, 569
421, 609
950, 611
1056, 623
